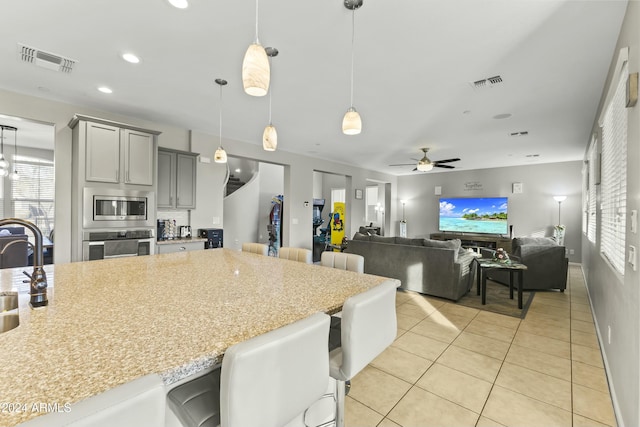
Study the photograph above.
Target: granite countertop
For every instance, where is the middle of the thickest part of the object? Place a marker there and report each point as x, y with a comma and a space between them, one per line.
109, 322
181, 241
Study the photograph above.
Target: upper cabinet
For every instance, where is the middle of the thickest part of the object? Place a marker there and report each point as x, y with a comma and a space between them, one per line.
113, 152
176, 179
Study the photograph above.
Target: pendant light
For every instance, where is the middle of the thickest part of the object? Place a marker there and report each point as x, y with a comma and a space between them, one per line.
270, 135
255, 67
352, 123
221, 155
13, 176
4, 164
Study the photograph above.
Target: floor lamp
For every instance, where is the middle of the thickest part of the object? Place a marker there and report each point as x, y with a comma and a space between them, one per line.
559, 229
403, 223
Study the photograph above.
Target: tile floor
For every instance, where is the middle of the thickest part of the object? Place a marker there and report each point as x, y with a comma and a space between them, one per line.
457, 366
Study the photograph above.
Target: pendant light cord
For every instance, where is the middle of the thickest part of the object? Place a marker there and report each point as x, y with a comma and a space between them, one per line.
220, 116
257, 42
353, 36
270, 92
2, 143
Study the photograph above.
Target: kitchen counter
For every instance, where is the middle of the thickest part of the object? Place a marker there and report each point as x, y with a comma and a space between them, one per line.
109, 322
180, 241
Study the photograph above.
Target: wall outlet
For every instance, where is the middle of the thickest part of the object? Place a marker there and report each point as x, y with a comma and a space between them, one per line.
205, 159
216, 220
609, 334
294, 221
572, 251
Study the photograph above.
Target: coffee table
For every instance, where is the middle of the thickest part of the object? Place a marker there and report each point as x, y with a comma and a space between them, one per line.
486, 264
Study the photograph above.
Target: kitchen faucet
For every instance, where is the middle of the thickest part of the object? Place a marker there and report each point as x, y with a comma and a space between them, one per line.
38, 289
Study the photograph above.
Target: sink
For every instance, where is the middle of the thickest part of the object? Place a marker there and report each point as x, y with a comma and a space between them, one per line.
9, 317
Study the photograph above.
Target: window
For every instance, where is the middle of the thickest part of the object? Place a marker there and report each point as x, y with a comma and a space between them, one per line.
32, 196
371, 215
614, 174
337, 196
592, 196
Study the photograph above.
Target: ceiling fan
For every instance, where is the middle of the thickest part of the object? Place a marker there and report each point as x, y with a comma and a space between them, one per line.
425, 165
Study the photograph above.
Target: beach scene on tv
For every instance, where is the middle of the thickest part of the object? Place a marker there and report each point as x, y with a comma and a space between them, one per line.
474, 215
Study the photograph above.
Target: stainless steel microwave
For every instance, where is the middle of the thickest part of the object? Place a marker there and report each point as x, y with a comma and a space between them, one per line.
117, 208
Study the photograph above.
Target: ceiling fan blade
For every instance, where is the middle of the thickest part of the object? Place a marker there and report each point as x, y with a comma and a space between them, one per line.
444, 166
404, 164
447, 160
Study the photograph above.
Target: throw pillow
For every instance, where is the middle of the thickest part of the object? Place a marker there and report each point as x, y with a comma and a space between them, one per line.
360, 236
408, 241
382, 239
443, 244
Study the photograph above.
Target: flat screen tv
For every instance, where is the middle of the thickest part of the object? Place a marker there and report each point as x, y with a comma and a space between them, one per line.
474, 215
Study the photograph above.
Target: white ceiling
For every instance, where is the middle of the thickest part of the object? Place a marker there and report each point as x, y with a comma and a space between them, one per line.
414, 62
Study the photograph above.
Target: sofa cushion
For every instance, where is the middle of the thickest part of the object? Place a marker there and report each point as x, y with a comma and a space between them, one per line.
539, 241
382, 239
360, 236
443, 244
408, 241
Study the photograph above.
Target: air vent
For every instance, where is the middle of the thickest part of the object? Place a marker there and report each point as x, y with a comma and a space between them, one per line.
488, 82
43, 59
521, 133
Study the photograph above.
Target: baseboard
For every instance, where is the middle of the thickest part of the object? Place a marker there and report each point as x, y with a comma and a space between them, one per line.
612, 389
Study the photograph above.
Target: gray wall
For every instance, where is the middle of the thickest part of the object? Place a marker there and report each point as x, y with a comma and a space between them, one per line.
616, 299
209, 213
532, 213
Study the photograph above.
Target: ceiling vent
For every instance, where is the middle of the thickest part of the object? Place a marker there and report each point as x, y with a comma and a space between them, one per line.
43, 59
521, 133
488, 82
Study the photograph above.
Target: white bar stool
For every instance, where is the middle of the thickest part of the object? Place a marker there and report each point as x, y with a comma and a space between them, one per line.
266, 381
368, 327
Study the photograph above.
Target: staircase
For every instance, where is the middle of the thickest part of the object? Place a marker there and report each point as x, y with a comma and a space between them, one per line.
233, 184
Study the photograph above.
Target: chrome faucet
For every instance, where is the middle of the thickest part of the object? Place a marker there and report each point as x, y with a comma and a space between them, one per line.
38, 289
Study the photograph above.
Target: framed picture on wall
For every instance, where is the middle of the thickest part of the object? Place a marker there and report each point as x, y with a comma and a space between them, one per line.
358, 194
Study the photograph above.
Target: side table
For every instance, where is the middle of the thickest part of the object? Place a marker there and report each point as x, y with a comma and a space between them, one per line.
485, 264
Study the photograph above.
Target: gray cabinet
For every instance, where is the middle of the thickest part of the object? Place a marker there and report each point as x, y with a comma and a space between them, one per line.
118, 155
179, 246
176, 179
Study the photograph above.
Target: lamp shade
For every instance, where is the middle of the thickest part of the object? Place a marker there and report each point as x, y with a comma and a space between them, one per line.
220, 156
424, 167
351, 123
270, 138
256, 72
559, 198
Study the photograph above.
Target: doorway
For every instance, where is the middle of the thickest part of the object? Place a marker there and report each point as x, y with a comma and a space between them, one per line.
28, 180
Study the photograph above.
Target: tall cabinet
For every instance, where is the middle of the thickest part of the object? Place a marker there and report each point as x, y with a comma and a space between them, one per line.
112, 156
176, 179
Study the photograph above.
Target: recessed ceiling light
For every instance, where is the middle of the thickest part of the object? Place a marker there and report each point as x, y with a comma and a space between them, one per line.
105, 89
238, 170
130, 57
180, 4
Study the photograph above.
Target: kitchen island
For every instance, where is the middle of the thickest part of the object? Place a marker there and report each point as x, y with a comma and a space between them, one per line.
109, 322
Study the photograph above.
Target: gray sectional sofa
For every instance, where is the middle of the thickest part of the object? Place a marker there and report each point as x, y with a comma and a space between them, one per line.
427, 266
546, 263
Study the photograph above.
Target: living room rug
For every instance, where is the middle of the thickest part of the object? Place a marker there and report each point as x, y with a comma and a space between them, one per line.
498, 300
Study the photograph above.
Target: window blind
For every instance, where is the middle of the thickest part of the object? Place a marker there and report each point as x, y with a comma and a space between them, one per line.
614, 176
591, 209
32, 195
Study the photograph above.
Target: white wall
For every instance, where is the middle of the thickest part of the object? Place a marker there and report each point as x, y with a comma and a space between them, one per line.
534, 212
242, 209
616, 299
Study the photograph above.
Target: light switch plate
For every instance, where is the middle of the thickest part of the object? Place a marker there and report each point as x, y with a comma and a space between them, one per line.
633, 257
438, 190
634, 221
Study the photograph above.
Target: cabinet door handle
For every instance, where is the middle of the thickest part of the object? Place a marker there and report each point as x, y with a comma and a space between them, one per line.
117, 174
